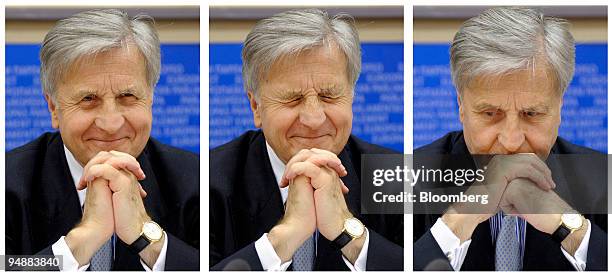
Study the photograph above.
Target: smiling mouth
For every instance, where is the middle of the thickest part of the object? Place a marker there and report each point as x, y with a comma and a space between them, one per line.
311, 140
108, 143
311, 137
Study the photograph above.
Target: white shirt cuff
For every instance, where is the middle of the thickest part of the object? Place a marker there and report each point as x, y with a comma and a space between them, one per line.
449, 243
580, 256
362, 258
270, 261
160, 263
69, 263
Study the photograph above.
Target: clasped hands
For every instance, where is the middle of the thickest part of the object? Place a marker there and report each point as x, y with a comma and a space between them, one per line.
113, 204
521, 185
315, 201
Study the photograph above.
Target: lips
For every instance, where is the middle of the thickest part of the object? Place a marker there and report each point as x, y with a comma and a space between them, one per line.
108, 144
312, 140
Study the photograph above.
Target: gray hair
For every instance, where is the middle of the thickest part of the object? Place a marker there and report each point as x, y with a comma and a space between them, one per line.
289, 33
92, 32
504, 39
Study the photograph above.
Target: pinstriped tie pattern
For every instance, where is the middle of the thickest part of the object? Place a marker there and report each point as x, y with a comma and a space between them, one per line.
507, 248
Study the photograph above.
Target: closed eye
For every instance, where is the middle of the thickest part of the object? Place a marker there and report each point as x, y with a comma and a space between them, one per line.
293, 100
127, 94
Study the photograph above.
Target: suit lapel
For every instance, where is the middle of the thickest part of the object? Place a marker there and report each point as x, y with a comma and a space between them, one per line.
481, 253
153, 202
262, 198
351, 180
59, 209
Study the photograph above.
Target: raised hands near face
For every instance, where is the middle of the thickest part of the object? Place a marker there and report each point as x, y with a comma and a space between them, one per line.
310, 162
462, 218
113, 204
121, 173
115, 159
323, 170
500, 171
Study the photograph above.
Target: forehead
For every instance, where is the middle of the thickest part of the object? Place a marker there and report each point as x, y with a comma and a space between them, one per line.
117, 65
318, 66
537, 82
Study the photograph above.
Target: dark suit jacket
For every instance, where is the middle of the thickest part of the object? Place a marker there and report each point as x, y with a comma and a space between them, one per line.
541, 252
42, 203
245, 203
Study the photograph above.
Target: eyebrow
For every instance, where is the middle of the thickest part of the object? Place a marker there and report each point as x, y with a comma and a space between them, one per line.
542, 108
485, 106
332, 90
288, 94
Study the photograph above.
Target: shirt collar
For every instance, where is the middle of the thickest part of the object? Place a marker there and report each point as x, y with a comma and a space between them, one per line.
279, 168
76, 171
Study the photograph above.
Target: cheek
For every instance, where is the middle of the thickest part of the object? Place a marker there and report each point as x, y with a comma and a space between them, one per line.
542, 137
341, 116
139, 116
479, 139
279, 120
75, 123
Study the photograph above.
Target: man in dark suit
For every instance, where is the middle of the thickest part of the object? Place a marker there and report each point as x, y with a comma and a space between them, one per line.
288, 196
43, 205
511, 67
541, 252
76, 193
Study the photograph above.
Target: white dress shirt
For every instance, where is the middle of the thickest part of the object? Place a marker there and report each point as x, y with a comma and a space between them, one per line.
455, 252
270, 261
61, 247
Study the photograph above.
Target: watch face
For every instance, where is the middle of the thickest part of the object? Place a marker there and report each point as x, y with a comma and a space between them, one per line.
573, 221
152, 231
354, 227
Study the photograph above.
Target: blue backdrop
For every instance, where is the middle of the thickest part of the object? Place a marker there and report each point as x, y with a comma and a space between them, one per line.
176, 107
377, 108
584, 114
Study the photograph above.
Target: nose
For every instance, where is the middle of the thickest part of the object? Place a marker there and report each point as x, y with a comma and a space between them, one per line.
511, 136
312, 113
109, 118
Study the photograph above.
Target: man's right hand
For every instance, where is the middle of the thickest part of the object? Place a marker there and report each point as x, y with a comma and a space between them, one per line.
299, 221
462, 219
97, 225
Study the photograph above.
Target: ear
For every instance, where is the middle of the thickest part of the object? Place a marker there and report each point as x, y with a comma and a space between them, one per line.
460, 104
255, 108
53, 110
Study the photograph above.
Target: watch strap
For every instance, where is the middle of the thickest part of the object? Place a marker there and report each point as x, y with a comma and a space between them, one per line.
561, 233
139, 244
342, 240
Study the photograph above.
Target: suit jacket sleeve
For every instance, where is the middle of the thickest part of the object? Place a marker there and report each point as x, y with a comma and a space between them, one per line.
181, 256
428, 255
384, 254
597, 256
242, 260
